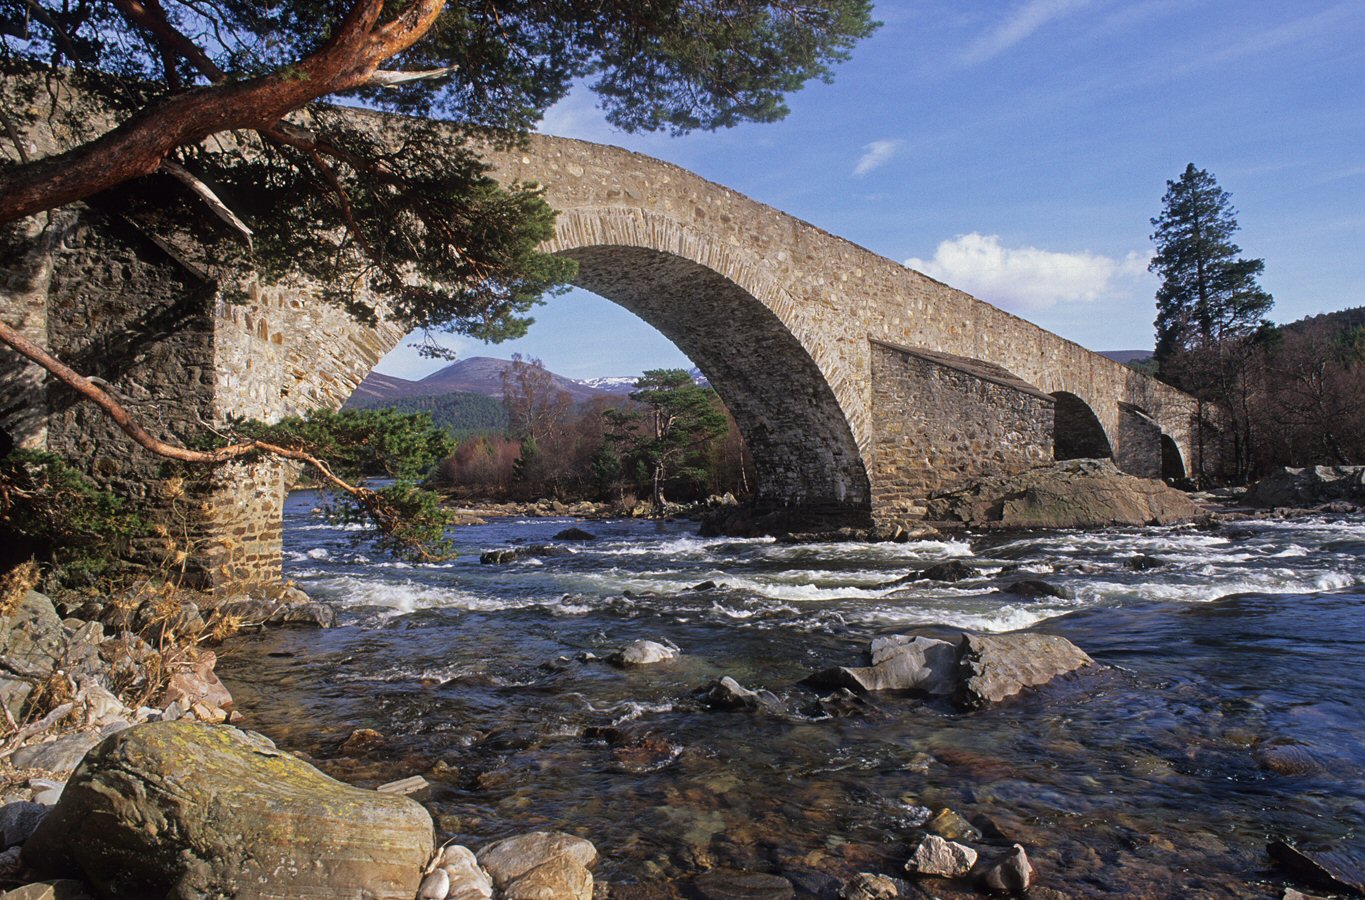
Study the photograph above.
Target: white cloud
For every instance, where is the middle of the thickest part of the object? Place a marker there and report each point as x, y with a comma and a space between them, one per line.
876, 154
1026, 278
1023, 22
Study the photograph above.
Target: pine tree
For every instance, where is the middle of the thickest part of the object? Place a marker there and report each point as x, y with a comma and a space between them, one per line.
1208, 293
1209, 309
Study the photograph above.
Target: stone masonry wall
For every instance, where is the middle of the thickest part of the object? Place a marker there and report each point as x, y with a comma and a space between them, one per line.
942, 421
1139, 443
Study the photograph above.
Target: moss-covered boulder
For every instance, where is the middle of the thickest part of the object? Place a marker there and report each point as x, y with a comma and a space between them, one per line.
186, 810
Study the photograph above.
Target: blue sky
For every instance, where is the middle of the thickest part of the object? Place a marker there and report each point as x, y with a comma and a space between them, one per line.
1017, 149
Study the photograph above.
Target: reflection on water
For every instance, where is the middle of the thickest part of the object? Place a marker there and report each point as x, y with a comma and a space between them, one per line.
1149, 778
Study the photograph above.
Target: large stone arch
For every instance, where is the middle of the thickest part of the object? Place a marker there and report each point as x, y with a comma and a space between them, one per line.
804, 453
828, 353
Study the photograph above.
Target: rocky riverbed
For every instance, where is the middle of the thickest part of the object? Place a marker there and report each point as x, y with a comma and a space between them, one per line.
620, 708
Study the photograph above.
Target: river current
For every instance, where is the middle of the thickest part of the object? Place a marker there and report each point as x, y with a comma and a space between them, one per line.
1229, 709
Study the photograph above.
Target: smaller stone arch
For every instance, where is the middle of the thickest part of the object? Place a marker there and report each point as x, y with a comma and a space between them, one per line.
1077, 432
1172, 462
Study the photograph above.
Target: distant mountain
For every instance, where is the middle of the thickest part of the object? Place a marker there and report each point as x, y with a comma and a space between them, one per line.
1125, 356
624, 384
612, 384
475, 375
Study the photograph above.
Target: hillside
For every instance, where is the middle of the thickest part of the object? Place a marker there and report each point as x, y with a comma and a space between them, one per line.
459, 412
1341, 320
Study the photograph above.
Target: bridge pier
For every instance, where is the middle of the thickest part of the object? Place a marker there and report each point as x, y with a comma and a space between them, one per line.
943, 421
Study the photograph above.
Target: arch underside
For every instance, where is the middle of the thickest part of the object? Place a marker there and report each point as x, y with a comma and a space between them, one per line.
804, 453
1077, 431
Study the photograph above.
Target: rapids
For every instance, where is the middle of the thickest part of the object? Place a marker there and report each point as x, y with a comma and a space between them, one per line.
1147, 778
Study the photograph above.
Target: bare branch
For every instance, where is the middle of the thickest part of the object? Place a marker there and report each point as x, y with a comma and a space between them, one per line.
220, 209
384, 516
391, 78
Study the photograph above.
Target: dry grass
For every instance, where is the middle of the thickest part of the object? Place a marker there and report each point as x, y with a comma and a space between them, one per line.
16, 583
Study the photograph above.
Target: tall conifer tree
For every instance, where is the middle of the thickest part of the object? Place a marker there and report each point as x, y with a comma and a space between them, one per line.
1208, 293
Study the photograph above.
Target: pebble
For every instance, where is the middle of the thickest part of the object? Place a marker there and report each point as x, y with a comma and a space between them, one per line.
952, 826
435, 886
1012, 874
867, 886
935, 856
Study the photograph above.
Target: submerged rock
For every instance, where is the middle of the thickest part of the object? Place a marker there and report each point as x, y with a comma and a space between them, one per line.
179, 809
530, 551
1285, 758
1077, 493
867, 886
1035, 589
575, 534
726, 693
997, 666
642, 653
1334, 869
948, 824
936, 856
736, 884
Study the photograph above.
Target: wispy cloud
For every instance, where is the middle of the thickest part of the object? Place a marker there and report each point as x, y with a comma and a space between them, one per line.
1022, 23
1025, 279
876, 154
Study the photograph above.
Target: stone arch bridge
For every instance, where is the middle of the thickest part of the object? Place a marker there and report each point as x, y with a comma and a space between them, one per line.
860, 386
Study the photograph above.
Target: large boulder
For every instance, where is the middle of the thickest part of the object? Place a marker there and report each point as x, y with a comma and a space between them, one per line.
32, 642
996, 666
543, 865
1078, 493
976, 670
181, 809
1308, 487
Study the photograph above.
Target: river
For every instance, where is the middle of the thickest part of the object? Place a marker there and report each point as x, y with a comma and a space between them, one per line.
1147, 777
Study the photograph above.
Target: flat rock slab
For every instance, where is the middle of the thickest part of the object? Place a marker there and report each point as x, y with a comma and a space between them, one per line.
61, 755
900, 663
184, 809
1334, 869
997, 666
1078, 493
